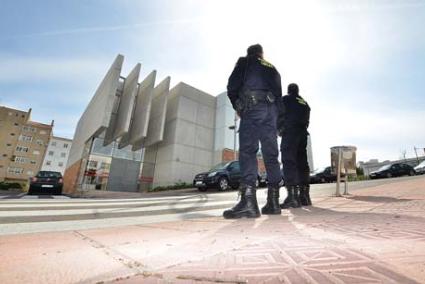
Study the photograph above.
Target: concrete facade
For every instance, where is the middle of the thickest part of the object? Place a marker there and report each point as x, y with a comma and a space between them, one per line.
57, 154
188, 142
181, 132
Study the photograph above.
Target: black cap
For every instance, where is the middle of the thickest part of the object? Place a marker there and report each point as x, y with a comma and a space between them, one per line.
255, 49
293, 89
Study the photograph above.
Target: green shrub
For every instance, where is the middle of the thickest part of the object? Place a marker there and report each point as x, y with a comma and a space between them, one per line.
10, 185
178, 185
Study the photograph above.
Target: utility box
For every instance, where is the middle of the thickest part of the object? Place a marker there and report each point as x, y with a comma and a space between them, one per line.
343, 164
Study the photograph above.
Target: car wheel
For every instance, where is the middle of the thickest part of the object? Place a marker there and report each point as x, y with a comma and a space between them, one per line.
202, 189
411, 173
223, 184
389, 175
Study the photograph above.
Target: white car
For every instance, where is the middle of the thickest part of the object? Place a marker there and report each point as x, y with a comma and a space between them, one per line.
420, 169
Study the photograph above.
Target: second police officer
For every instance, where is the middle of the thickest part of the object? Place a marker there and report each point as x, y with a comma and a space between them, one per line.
294, 118
254, 88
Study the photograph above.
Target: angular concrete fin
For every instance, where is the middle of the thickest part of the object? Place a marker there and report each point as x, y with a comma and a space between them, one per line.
97, 115
158, 112
125, 108
140, 118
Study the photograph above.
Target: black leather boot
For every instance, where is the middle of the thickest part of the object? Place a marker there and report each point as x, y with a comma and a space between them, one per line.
304, 195
307, 194
291, 200
246, 207
272, 206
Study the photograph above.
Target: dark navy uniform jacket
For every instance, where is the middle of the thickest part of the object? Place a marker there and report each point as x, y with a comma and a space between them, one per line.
294, 114
253, 73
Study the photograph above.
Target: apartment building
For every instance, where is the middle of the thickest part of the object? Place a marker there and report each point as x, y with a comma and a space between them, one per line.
57, 154
23, 144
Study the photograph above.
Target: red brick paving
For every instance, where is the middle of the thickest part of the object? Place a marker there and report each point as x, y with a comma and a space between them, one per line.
375, 236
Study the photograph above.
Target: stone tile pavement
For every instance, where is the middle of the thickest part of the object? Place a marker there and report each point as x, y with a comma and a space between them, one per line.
374, 236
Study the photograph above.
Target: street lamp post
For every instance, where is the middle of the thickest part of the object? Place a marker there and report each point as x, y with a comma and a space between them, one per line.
234, 128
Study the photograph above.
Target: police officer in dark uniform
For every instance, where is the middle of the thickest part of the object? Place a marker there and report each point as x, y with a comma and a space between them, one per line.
254, 88
294, 117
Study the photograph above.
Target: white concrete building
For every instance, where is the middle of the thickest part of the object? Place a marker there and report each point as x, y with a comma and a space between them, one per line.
153, 135
57, 154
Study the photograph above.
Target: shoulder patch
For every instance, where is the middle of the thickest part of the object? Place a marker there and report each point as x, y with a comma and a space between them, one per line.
265, 63
301, 101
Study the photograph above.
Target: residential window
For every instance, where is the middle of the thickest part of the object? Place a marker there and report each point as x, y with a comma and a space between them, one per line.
29, 128
36, 152
54, 143
4, 155
92, 164
60, 164
40, 142
30, 173
48, 163
63, 155
33, 162
8, 144
13, 170
21, 149
21, 160
65, 145
12, 134
25, 138
51, 153
16, 124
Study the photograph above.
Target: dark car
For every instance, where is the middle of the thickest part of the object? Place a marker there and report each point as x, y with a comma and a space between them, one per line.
46, 182
222, 176
393, 170
322, 175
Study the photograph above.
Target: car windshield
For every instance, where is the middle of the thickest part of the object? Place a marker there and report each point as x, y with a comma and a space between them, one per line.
383, 168
49, 175
319, 170
220, 166
422, 164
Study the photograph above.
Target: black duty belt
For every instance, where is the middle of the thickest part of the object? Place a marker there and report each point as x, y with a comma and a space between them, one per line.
260, 96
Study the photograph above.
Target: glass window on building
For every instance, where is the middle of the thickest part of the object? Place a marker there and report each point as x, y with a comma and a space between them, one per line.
92, 164
30, 173
65, 145
16, 171
36, 152
51, 153
63, 155
25, 138
33, 162
60, 164
21, 160
48, 163
54, 143
40, 142
21, 149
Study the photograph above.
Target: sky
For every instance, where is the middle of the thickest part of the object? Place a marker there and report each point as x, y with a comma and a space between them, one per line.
359, 64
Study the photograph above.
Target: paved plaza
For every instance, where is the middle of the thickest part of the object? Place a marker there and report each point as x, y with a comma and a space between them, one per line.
375, 235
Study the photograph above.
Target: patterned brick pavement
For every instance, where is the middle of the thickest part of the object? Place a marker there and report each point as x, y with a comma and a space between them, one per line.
374, 236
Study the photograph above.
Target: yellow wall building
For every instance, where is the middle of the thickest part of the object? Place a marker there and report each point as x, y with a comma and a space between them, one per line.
23, 144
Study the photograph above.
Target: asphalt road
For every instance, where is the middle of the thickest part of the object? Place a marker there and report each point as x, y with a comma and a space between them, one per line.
20, 213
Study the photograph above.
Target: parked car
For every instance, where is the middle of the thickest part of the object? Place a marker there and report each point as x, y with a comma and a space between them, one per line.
223, 176
46, 182
393, 170
420, 169
322, 175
